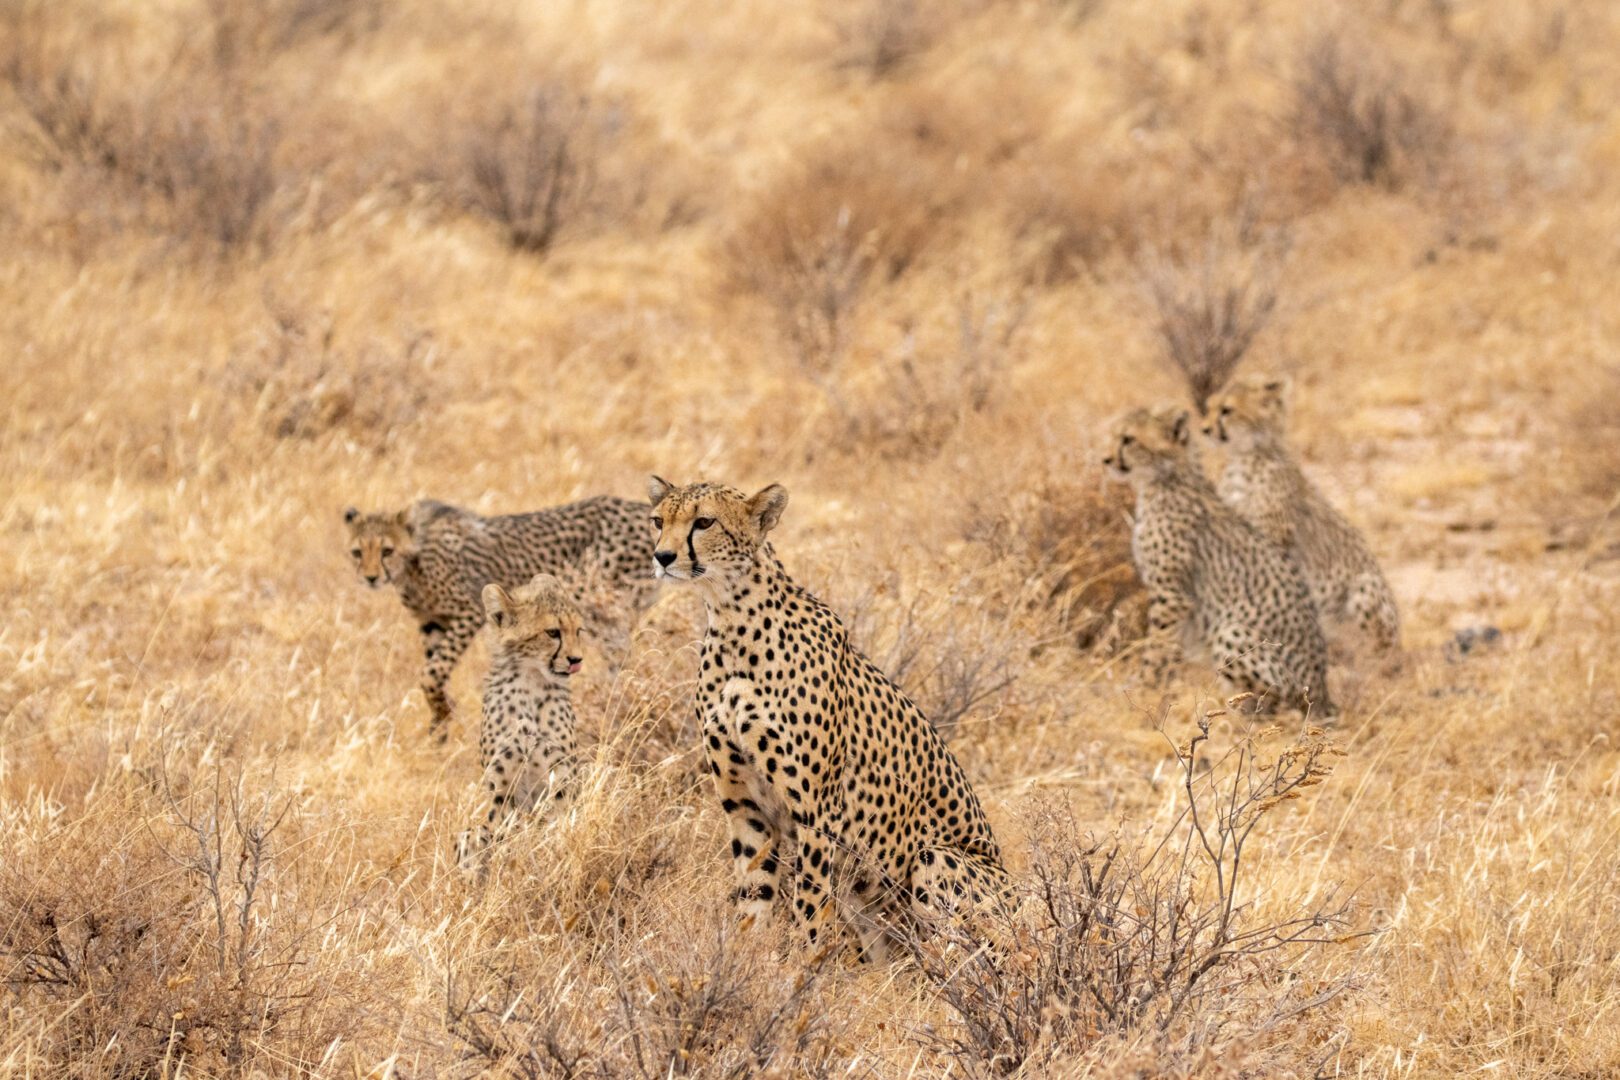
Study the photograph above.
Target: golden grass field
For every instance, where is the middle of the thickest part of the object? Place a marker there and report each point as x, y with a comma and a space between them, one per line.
264, 260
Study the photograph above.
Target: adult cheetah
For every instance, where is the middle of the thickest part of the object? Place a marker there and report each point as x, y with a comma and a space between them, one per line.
1213, 582
439, 558
820, 761
1264, 483
527, 741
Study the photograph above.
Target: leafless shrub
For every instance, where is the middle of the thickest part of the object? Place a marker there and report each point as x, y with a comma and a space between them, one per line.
1365, 120
193, 152
1070, 533
918, 394
811, 243
880, 36
954, 670
1112, 942
531, 164
1209, 308
711, 1005
173, 943
245, 30
297, 382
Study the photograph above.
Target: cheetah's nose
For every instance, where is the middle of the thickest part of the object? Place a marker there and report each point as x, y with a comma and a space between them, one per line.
371, 579
664, 557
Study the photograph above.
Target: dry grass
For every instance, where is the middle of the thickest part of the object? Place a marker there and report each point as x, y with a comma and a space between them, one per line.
240, 298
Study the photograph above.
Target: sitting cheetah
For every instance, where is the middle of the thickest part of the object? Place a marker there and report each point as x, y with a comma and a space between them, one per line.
820, 761
1212, 580
527, 738
440, 558
1263, 483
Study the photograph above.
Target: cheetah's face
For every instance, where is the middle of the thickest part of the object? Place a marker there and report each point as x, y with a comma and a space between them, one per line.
1247, 410
379, 544
708, 530
1147, 443
537, 623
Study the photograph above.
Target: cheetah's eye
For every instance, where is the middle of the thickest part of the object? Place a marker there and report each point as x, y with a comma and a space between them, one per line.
658, 523
1226, 410
388, 553
355, 552
702, 523
1126, 440
554, 633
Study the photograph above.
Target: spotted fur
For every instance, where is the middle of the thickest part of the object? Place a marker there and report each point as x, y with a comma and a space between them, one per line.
823, 766
1213, 582
439, 558
526, 741
1264, 483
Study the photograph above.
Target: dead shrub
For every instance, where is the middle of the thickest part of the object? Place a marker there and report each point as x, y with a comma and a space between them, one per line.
531, 164
296, 382
185, 948
1070, 532
245, 31
710, 1003
1114, 942
880, 36
812, 242
191, 152
1362, 117
1208, 308
956, 670
915, 396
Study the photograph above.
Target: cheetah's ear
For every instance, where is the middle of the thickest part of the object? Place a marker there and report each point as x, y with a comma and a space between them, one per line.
766, 507
1179, 430
1277, 391
351, 515
497, 603
403, 520
657, 488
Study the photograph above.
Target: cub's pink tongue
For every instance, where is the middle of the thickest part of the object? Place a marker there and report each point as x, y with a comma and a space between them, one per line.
572, 668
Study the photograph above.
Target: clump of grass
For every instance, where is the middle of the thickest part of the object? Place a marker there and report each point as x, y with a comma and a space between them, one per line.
296, 381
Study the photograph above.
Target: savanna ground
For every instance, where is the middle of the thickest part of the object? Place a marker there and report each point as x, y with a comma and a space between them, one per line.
263, 260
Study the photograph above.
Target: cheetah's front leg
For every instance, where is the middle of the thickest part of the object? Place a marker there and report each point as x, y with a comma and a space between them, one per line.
754, 836
443, 644
1168, 612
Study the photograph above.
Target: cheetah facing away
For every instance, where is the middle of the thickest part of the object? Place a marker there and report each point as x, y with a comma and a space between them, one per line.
1264, 483
819, 760
1213, 582
439, 558
527, 739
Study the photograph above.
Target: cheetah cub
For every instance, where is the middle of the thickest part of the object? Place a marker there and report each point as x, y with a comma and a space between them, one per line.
527, 738
1214, 584
824, 767
1263, 482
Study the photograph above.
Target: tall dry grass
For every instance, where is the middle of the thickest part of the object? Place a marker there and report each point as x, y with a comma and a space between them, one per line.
250, 284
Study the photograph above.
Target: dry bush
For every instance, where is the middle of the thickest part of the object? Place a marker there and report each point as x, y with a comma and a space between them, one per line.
295, 381
1208, 308
1363, 118
1113, 941
812, 243
1070, 532
699, 1001
247, 31
191, 152
189, 946
531, 164
911, 399
956, 671
879, 37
